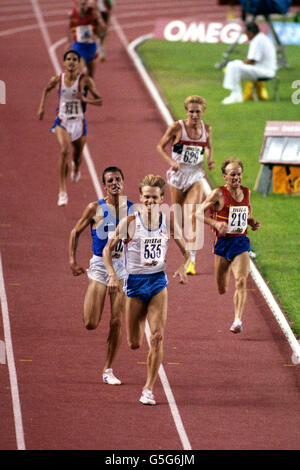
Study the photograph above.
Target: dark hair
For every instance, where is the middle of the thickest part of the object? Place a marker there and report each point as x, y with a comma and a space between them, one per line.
73, 52
111, 169
252, 28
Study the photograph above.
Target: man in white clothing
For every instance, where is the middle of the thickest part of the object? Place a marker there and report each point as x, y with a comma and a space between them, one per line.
261, 62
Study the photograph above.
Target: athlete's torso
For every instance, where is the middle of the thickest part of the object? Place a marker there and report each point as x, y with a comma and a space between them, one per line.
105, 229
189, 152
234, 213
146, 251
69, 107
83, 27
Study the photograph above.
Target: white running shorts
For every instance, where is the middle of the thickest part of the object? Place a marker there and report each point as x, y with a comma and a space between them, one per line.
97, 270
184, 178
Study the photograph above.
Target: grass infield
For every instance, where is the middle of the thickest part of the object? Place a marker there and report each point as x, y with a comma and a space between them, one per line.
182, 69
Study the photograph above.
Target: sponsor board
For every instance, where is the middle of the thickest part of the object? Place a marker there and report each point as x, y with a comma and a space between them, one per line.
191, 30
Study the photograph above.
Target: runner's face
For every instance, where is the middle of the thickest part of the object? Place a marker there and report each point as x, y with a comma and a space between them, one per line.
83, 4
194, 112
113, 183
71, 62
151, 196
233, 176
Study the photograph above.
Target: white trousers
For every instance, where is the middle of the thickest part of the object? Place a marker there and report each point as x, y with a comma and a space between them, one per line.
236, 71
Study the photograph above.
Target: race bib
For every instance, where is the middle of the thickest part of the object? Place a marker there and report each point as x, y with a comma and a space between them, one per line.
192, 154
118, 251
72, 108
237, 219
151, 251
84, 33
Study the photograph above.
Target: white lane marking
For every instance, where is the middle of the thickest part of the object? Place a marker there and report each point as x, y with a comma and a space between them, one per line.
11, 365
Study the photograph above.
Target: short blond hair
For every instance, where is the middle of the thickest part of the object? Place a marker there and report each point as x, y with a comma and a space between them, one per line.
153, 181
195, 99
228, 161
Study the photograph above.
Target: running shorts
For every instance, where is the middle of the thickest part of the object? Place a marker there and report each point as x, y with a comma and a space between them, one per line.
229, 247
184, 178
88, 51
76, 128
97, 270
145, 286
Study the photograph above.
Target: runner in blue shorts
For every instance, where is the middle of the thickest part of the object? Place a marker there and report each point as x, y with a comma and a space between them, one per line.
145, 234
70, 125
85, 25
231, 213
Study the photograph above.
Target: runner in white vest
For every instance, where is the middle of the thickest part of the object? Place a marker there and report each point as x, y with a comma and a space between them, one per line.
145, 235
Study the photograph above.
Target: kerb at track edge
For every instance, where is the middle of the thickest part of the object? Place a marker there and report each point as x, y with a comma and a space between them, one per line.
258, 279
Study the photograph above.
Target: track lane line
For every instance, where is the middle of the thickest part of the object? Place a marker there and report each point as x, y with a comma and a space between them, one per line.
11, 365
51, 50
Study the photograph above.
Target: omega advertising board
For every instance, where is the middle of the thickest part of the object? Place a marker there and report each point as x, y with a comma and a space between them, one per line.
191, 29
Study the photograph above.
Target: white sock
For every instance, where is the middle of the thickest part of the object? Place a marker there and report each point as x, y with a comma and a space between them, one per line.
193, 256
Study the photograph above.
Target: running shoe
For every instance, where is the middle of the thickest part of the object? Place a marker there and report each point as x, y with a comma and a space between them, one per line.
62, 199
109, 378
147, 397
191, 268
236, 326
75, 175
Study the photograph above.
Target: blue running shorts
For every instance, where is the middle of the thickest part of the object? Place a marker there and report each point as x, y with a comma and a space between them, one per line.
229, 247
145, 286
86, 50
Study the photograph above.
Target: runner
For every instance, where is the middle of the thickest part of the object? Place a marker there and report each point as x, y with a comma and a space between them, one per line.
191, 140
70, 125
105, 8
85, 25
231, 213
145, 235
103, 217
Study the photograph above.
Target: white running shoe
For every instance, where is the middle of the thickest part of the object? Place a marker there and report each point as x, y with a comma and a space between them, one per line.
109, 378
236, 326
62, 199
147, 397
75, 175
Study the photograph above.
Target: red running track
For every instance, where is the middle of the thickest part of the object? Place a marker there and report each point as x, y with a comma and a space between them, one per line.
232, 392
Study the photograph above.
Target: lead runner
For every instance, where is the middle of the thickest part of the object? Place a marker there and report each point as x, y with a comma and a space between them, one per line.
145, 235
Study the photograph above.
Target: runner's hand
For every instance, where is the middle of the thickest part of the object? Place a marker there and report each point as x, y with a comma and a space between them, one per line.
182, 276
76, 269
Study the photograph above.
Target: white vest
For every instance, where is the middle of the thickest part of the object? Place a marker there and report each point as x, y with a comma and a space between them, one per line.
146, 251
69, 106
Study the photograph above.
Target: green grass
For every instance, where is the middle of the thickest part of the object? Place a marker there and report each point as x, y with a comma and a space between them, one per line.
182, 69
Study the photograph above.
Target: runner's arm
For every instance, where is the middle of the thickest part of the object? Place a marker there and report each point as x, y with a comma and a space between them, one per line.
168, 137
212, 200
51, 84
85, 220
180, 242
89, 83
209, 148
